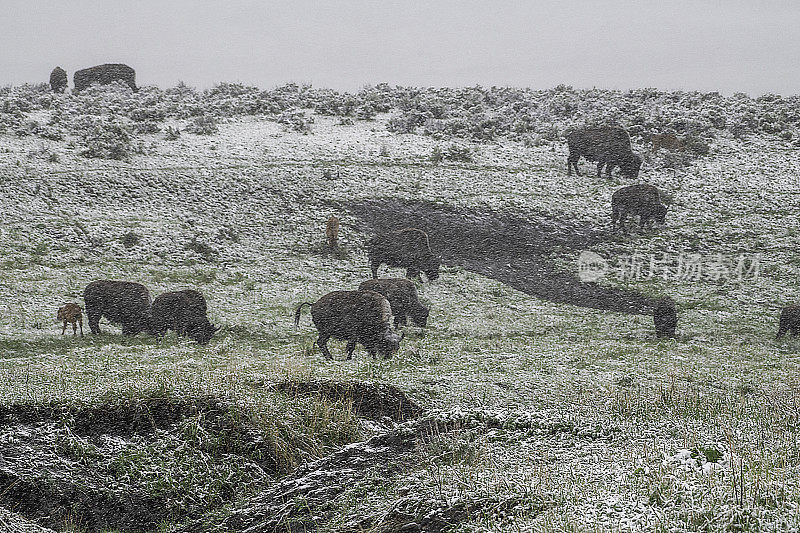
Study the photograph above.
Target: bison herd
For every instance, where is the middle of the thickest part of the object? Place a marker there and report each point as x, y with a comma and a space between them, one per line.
128, 304
363, 316
100, 74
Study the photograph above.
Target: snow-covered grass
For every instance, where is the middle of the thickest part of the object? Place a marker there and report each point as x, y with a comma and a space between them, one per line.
579, 417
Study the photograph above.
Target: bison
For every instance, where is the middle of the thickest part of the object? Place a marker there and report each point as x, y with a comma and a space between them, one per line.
355, 316
58, 80
669, 141
332, 232
105, 74
640, 200
665, 317
609, 146
407, 248
184, 312
121, 302
402, 296
71, 313
789, 321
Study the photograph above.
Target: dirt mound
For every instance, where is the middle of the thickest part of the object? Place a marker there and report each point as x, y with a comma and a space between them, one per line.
373, 401
126, 464
504, 247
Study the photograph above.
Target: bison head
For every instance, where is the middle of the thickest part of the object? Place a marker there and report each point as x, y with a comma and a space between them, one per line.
631, 166
201, 331
431, 267
420, 316
389, 343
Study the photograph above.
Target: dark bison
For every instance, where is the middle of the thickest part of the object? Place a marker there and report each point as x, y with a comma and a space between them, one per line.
355, 316
609, 146
184, 312
402, 296
640, 200
105, 74
790, 321
665, 317
58, 80
407, 248
121, 302
71, 313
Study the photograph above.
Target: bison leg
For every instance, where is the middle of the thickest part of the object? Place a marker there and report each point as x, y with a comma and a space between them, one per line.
413, 273
322, 342
80, 323
572, 162
350, 348
374, 266
64, 328
74, 328
94, 322
400, 319
614, 218
609, 168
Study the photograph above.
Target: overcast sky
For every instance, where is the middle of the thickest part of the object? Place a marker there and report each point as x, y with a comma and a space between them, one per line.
732, 45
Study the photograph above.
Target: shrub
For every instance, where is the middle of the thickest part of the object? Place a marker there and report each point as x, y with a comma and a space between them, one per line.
203, 125
105, 138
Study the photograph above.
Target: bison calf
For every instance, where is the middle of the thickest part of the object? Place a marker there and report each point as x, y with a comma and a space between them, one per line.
403, 299
184, 312
332, 232
407, 248
665, 317
356, 317
71, 313
121, 302
640, 200
789, 321
669, 141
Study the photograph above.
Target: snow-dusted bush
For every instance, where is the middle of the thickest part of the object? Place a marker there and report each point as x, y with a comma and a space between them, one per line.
204, 125
296, 120
105, 138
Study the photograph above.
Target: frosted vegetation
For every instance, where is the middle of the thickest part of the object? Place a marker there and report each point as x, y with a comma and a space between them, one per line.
507, 413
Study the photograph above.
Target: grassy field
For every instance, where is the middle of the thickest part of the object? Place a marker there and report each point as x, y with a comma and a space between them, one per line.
538, 416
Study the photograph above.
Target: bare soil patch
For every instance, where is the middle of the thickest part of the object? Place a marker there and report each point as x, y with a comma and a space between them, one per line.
374, 401
505, 247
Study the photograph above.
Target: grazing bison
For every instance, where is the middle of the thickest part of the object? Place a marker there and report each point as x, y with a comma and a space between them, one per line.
669, 141
407, 248
640, 200
665, 317
105, 74
71, 313
402, 296
184, 312
609, 146
58, 80
121, 302
790, 321
332, 232
355, 316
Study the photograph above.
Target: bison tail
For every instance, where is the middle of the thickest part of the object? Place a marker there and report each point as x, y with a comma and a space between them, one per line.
297, 313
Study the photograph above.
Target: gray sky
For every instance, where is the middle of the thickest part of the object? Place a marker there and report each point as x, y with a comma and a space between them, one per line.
729, 46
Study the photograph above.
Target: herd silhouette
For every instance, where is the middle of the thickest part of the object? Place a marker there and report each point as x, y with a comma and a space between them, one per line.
363, 316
